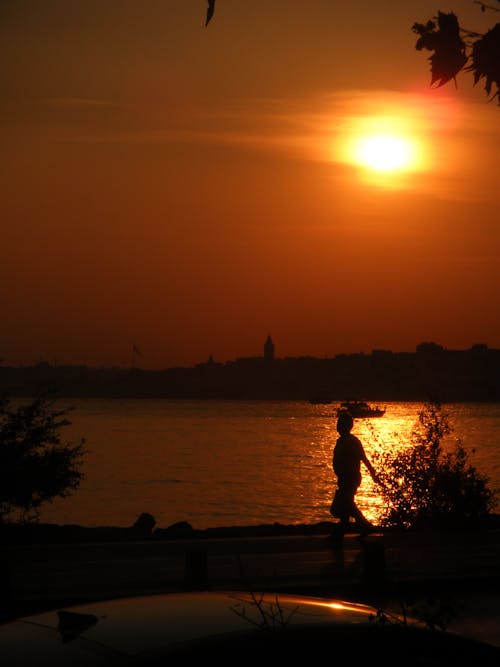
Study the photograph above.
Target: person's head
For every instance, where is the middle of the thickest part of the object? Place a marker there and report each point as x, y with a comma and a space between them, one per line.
344, 422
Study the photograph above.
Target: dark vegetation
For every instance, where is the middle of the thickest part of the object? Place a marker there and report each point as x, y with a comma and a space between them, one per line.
35, 465
455, 49
425, 486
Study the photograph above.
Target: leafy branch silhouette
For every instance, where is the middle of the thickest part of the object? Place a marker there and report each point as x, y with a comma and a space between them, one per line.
454, 48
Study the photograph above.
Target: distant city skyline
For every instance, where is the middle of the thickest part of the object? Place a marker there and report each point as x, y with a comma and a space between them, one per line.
431, 372
268, 350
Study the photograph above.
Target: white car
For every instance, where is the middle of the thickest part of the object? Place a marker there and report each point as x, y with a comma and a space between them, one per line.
230, 628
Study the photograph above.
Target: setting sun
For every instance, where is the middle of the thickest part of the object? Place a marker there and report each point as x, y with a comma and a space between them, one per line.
384, 152
386, 148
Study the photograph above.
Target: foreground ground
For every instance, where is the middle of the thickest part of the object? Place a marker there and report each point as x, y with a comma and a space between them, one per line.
455, 571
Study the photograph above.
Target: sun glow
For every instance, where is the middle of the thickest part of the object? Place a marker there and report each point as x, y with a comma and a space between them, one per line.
386, 148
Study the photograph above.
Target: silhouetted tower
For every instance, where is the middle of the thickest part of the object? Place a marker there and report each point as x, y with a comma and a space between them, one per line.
269, 349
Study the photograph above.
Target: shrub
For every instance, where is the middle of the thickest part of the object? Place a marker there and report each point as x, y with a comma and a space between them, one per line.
424, 486
35, 466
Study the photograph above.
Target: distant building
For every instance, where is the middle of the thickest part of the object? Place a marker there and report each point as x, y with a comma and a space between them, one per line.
269, 349
429, 348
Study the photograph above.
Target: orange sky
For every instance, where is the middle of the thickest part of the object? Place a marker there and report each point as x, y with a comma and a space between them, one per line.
189, 190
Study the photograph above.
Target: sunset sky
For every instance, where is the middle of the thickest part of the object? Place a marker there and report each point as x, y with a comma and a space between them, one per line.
190, 189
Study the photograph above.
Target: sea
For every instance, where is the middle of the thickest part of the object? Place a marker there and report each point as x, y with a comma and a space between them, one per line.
219, 463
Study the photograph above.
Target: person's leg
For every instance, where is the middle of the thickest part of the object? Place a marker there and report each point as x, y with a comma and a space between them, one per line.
362, 523
343, 504
348, 508
358, 516
340, 529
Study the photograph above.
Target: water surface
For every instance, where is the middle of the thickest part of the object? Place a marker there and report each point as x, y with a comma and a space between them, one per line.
220, 463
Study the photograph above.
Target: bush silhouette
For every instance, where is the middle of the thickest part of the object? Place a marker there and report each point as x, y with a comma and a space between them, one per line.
35, 465
423, 486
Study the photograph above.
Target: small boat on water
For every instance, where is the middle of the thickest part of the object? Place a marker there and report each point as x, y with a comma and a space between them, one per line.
362, 409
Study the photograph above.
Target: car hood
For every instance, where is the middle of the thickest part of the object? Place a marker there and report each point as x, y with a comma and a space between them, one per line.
100, 632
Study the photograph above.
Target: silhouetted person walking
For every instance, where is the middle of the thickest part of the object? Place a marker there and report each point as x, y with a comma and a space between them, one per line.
348, 454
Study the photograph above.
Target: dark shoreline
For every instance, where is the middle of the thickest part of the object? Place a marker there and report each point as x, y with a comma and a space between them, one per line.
145, 529
182, 530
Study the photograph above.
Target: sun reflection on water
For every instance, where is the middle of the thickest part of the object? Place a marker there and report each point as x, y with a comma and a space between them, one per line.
393, 432
389, 432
